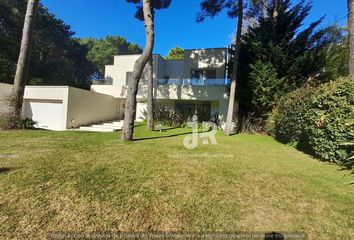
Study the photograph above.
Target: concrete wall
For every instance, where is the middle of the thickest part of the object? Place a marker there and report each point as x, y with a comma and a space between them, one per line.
159, 67
5, 92
77, 107
174, 69
49, 97
125, 63
85, 107
122, 65
214, 58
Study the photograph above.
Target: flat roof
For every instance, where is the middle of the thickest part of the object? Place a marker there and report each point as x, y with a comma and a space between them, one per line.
191, 49
196, 49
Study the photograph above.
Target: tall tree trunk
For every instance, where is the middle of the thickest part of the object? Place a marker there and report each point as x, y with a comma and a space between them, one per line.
150, 99
351, 36
276, 9
130, 103
21, 76
230, 111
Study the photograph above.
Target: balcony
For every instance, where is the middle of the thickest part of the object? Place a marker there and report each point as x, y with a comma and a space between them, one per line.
176, 82
104, 81
193, 82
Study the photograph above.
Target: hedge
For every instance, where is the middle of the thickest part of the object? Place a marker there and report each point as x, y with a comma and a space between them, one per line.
319, 120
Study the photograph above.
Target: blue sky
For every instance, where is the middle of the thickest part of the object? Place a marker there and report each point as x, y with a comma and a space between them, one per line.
175, 26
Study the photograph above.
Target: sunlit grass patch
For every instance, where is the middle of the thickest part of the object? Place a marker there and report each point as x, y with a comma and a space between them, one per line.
70, 181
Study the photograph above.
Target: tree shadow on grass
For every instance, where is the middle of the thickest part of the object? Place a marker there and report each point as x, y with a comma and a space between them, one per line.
164, 136
4, 170
165, 130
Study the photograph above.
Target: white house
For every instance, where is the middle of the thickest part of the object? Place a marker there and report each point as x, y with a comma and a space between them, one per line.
196, 83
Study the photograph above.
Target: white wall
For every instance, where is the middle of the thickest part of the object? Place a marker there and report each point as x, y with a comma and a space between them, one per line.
5, 92
47, 105
141, 107
122, 65
125, 63
214, 58
85, 107
60, 108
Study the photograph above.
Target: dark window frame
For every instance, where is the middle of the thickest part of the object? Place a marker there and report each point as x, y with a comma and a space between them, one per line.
203, 73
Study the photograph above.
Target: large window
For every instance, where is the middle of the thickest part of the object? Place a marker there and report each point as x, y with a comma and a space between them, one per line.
189, 108
203, 74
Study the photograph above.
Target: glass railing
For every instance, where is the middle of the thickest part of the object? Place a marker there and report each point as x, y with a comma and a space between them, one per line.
193, 82
178, 82
104, 81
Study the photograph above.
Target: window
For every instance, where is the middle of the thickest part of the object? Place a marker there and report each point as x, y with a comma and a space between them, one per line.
189, 108
203, 74
166, 79
210, 74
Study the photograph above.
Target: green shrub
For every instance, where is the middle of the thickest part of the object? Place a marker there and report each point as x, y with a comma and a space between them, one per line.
318, 119
168, 116
266, 87
179, 117
7, 122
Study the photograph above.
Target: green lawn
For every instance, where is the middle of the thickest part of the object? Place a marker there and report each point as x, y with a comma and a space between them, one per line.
75, 181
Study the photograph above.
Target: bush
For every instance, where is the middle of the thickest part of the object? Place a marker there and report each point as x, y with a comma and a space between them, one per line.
318, 120
248, 123
168, 116
266, 87
7, 122
179, 117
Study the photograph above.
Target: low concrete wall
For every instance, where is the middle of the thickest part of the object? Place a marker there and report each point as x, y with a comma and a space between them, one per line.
85, 107
5, 91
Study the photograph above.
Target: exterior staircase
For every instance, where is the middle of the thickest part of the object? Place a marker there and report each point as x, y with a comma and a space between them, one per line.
105, 127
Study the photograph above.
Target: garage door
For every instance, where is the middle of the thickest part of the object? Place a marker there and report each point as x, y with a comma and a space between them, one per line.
48, 114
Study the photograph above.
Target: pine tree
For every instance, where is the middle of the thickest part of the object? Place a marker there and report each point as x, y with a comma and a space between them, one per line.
145, 12
21, 76
277, 43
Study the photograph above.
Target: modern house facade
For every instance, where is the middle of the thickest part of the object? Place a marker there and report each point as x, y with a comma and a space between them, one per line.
196, 84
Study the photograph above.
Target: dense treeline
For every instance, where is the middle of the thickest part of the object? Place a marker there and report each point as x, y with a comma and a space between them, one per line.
57, 57
291, 81
102, 51
280, 55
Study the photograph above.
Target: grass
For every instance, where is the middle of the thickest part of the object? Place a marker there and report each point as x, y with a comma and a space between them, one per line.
72, 181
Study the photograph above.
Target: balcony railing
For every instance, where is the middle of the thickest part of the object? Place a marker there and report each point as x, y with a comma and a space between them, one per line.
104, 81
178, 82
193, 82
